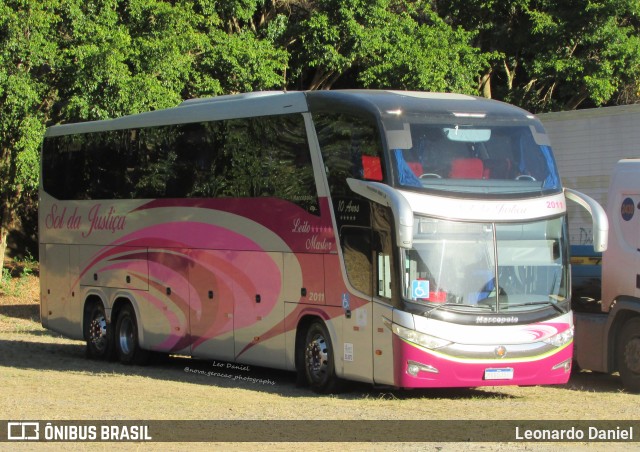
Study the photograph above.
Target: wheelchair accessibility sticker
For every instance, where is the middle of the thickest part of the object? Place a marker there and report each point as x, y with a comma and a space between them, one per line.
419, 289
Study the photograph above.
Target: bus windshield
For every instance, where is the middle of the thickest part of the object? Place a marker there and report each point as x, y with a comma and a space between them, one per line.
472, 156
489, 266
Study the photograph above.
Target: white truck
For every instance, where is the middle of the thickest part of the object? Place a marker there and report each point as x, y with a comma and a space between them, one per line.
607, 339
594, 152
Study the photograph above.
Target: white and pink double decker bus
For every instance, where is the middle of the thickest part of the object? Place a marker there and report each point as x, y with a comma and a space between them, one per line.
398, 238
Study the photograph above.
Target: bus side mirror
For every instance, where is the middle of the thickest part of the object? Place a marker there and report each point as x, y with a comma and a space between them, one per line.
598, 216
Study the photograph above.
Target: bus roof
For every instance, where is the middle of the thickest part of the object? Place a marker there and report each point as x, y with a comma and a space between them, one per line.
196, 110
265, 103
391, 103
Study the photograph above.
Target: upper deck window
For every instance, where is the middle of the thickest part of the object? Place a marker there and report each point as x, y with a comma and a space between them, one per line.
472, 155
234, 158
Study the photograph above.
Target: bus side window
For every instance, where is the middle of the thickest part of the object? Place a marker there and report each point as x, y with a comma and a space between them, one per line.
356, 251
351, 148
382, 218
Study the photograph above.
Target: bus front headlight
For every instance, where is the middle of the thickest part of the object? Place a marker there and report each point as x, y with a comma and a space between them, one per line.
560, 339
421, 339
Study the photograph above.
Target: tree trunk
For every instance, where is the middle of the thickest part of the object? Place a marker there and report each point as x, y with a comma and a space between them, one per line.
8, 199
320, 79
485, 84
4, 233
577, 99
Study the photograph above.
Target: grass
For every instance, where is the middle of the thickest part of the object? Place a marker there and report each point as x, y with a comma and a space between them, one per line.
45, 376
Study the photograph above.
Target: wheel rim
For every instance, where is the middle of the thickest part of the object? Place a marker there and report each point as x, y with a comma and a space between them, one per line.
632, 355
98, 332
317, 358
125, 335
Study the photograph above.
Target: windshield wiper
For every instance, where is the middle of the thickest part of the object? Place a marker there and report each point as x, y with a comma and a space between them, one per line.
462, 305
539, 303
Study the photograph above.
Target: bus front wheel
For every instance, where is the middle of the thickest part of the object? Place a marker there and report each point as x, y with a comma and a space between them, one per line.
126, 338
628, 354
319, 361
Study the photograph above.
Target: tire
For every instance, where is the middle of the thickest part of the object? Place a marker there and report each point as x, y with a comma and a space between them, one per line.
318, 360
628, 354
98, 334
126, 338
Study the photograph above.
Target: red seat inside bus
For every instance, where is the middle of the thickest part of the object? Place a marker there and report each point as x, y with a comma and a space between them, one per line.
467, 168
372, 168
416, 168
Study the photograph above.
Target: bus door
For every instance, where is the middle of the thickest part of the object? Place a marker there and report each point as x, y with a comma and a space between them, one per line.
355, 348
385, 286
370, 265
367, 250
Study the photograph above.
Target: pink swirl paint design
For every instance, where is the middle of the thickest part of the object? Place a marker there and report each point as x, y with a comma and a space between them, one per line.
182, 273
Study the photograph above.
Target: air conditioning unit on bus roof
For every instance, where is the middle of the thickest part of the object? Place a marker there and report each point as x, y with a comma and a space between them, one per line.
226, 97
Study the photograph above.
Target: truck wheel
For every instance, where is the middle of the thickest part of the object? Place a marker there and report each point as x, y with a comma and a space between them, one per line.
98, 334
628, 354
126, 338
319, 361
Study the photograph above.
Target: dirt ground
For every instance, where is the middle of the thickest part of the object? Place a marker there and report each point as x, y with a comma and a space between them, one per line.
44, 376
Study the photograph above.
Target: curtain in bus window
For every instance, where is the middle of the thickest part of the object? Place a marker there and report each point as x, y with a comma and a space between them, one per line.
537, 162
406, 176
551, 180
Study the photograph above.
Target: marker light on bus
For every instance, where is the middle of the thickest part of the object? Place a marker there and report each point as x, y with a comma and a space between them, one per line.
414, 367
566, 365
560, 339
421, 339
469, 115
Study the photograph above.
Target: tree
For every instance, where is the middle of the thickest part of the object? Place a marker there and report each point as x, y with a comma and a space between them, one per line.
28, 56
417, 50
76, 60
556, 55
382, 44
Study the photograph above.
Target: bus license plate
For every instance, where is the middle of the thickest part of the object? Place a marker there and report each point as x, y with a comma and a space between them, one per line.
498, 374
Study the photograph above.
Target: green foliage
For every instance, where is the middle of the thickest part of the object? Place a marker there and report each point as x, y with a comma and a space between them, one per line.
385, 44
78, 60
14, 280
556, 54
398, 57
27, 58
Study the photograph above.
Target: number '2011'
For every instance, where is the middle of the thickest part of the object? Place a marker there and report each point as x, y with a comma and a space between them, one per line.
316, 296
555, 205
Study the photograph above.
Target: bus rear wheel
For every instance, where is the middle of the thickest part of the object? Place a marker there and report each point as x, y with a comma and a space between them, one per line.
628, 354
98, 334
319, 361
126, 338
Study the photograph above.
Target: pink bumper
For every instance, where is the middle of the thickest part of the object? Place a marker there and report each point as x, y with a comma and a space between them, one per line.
446, 372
